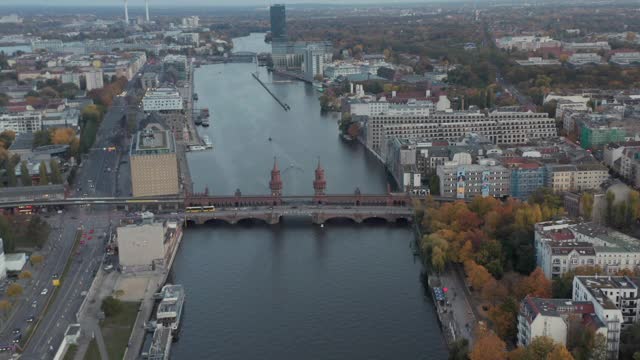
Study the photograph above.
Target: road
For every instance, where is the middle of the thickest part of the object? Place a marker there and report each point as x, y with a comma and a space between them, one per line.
97, 176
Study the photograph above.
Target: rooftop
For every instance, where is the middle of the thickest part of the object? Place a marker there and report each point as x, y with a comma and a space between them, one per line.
151, 142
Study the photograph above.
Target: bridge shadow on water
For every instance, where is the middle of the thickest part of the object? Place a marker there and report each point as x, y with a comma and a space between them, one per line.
300, 222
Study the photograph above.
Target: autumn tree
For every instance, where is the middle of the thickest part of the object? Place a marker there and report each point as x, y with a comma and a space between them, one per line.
488, 347
5, 306
536, 285
478, 276
504, 318
36, 259
494, 292
586, 205
25, 274
14, 290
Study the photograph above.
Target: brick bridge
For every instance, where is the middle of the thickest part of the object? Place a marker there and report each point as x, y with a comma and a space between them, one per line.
320, 206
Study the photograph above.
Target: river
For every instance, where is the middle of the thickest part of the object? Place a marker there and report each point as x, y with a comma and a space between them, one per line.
294, 290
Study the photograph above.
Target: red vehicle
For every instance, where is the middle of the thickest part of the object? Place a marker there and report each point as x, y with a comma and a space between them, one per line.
25, 210
91, 231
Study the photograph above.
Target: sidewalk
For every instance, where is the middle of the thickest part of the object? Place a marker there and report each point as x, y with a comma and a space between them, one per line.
459, 319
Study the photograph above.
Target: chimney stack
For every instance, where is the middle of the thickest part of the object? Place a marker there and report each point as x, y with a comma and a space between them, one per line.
126, 12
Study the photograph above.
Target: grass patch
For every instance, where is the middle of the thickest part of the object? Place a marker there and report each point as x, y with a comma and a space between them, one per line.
92, 351
71, 352
117, 329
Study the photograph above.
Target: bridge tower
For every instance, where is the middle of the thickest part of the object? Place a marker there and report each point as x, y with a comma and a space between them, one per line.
276, 183
319, 184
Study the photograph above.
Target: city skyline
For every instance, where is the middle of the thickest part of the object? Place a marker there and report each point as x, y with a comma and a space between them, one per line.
218, 3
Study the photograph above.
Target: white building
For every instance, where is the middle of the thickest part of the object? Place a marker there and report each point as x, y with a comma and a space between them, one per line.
615, 299
52, 46
580, 59
500, 127
162, 99
188, 38
587, 46
552, 318
94, 79
191, 21
466, 181
142, 247
314, 60
526, 43
625, 58
21, 122
15, 262
538, 61
383, 107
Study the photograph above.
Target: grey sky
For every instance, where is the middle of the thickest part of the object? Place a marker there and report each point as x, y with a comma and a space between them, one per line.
165, 3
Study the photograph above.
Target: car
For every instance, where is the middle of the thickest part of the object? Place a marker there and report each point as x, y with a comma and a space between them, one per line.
34, 303
31, 318
82, 242
17, 339
108, 267
44, 291
91, 231
16, 331
55, 276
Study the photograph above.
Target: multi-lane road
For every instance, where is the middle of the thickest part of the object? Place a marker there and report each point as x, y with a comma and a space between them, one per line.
98, 176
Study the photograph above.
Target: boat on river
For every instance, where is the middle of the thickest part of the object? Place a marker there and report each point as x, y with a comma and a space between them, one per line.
170, 307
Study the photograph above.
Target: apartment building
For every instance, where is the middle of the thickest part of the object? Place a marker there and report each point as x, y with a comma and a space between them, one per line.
552, 318
580, 59
615, 300
498, 126
469, 181
625, 58
21, 121
589, 176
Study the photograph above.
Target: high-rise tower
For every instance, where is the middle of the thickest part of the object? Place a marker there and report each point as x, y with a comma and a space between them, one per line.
126, 13
146, 10
278, 23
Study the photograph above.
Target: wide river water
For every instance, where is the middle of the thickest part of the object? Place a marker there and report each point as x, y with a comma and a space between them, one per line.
294, 290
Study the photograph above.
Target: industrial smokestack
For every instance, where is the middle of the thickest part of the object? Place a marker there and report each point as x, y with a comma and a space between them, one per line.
146, 9
126, 13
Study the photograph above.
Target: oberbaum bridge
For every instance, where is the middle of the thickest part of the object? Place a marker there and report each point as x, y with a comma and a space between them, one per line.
199, 208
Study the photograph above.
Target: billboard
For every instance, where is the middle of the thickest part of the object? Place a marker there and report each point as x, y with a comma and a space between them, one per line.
460, 183
485, 183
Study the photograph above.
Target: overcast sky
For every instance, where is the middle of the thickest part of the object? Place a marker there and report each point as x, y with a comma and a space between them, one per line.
191, 2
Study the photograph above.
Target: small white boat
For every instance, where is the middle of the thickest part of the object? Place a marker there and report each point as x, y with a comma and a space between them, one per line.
207, 142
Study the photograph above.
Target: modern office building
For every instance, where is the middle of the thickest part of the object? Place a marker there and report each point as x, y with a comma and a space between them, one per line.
162, 99
154, 166
177, 63
278, 17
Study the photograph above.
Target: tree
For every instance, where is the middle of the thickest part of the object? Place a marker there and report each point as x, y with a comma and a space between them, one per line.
37, 230
488, 347
536, 285
36, 259
11, 175
111, 306
434, 185
56, 176
14, 290
7, 233
477, 274
44, 179
609, 215
459, 349
5, 306
25, 177
586, 204
560, 352
504, 318
630, 341
25, 274
41, 138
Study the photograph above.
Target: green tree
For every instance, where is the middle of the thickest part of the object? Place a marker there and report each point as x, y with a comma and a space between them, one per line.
25, 177
630, 341
609, 215
56, 176
41, 138
111, 306
434, 185
11, 174
459, 349
44, 179
7, 234
37, 230
586, 203
632, 208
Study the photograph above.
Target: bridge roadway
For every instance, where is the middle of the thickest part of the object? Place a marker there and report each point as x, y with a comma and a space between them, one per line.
318, 213
179, 202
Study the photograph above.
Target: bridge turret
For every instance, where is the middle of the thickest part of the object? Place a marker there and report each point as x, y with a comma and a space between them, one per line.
320, 183
276, 181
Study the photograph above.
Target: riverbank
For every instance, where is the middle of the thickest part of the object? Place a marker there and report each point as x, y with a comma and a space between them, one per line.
455, 313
